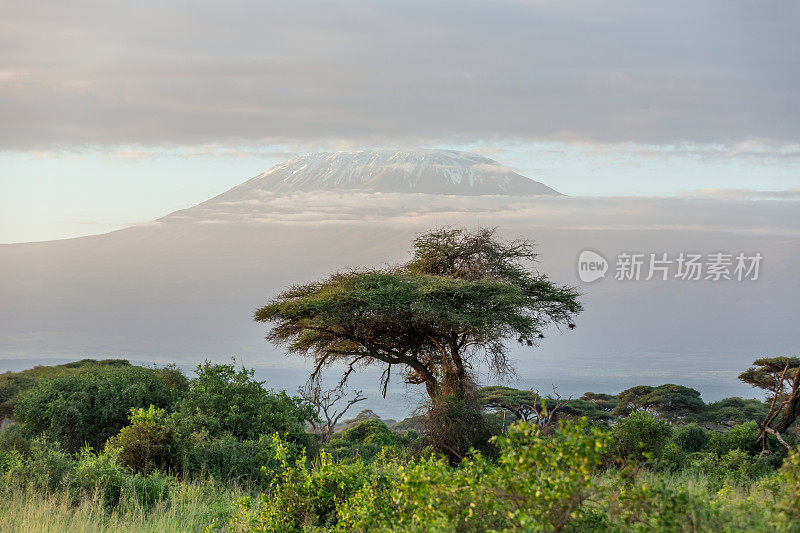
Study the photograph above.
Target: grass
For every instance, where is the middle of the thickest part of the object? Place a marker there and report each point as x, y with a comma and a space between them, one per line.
191, 506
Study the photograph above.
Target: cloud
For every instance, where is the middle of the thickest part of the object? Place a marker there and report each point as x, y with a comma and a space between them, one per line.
744, 194
169, 74
702, 214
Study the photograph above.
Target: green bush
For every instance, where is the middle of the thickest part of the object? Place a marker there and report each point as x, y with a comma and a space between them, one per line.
15, 437
89, 407
735, 409
14, 385
691, 438
226, 459
639, 436
539, 483
788, 502
303, 498
149, 443
45, 467
734, 466
370, 431
224, 399
741, 437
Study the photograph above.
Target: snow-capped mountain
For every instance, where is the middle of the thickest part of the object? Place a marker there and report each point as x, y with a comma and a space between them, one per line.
417, 171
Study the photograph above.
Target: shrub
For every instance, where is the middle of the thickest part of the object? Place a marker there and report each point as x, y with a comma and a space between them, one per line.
550, 476
368, 440
735, 409
15, 437
226, 459
223, 399
13, 385
734, 466
691, 438
640, 436
672, 458
149, 443
455, 424
88, 408
741, 437
370, 431
788, 502
304, 498
45, 467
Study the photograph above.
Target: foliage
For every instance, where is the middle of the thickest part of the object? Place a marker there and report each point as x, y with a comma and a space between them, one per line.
87, 408
226, 459
13, 385
537, 481
582, 408
548, 478
519, 402
734, 466
455, 425
691, 438
15, 437
150, 443
788, 504
780, 378
462, 295
604, 402
369, 440
223, 399
639, 437
741, 437
734, 409
666, 401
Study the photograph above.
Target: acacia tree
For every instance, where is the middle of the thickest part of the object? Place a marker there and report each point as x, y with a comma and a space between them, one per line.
530, 406
462, 296
668, 401
780, 378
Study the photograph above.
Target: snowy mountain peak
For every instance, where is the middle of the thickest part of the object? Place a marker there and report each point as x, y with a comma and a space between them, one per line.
417, 171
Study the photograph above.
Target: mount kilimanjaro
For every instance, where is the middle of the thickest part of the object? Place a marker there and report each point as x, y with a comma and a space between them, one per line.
417, 171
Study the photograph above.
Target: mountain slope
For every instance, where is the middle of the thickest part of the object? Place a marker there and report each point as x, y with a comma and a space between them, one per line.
418, 171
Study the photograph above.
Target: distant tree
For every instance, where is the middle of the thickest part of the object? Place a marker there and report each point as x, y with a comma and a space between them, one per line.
584, 408
734, 409
604, 402
780, 378
517, 402
667, 401
324, 402
224, 399
529, 406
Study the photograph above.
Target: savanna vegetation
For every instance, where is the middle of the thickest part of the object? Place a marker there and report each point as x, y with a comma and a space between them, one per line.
109, 446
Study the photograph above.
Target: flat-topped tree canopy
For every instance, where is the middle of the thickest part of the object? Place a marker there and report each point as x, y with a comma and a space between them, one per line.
463, 295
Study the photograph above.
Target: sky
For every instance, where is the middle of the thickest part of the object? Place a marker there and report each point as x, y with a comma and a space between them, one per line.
113, 114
